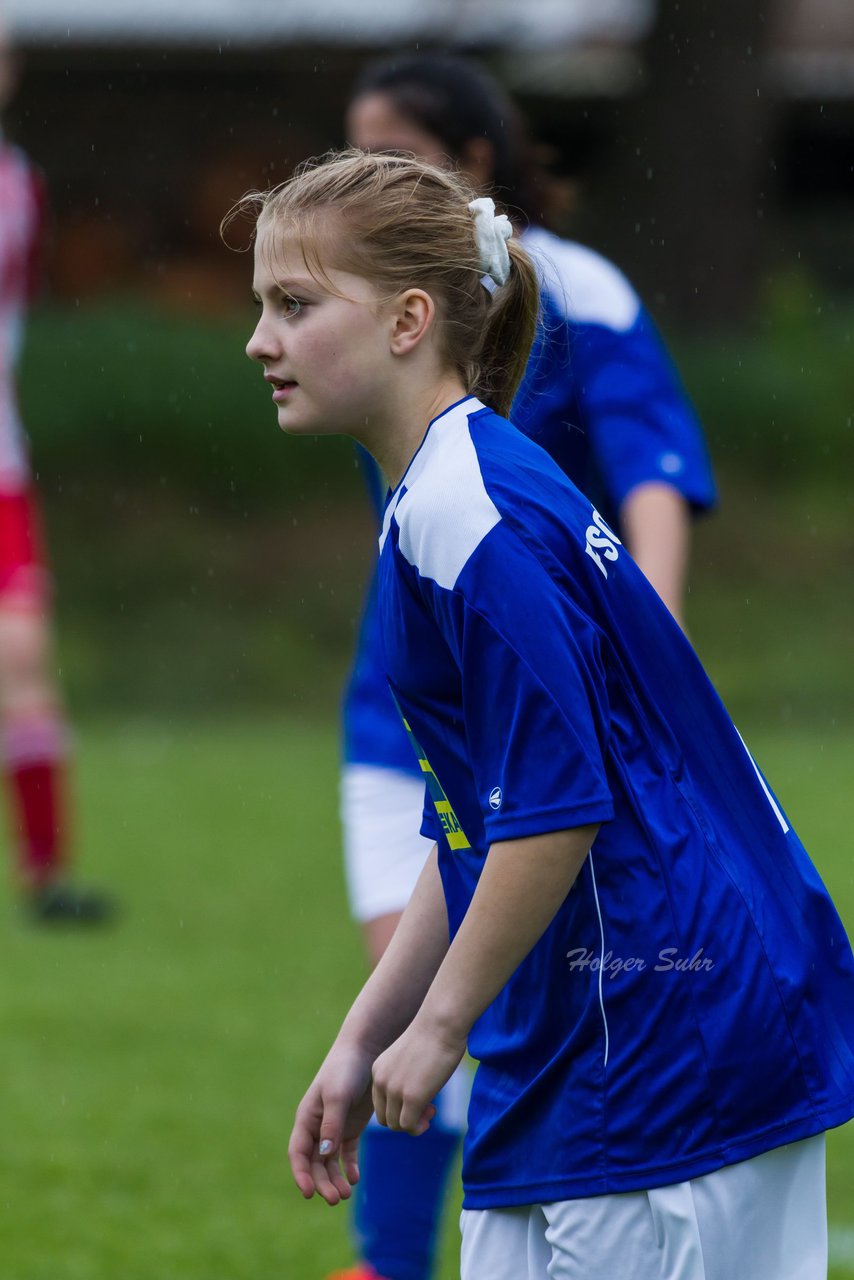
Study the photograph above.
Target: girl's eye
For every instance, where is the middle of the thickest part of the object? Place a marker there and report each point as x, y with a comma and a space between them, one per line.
291, 306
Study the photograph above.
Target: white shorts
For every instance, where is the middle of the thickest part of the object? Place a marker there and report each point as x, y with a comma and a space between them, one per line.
384, 850
763, 1219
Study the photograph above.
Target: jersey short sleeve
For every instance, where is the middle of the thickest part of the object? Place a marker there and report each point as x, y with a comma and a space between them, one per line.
644, 429
533, 690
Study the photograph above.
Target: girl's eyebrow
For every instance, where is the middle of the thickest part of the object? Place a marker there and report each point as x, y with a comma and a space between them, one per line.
296, 282
287, 287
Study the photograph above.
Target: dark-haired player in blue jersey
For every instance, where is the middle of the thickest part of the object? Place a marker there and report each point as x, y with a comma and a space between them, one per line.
617, 918
601, 395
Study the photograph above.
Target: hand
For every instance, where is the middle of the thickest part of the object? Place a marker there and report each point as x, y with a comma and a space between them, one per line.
324, 1142
411, 1072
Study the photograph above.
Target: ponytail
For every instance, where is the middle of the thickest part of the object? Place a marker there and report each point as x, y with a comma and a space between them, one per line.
511, 323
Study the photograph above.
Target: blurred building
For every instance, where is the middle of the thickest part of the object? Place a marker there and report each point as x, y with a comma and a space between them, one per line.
702, 145
257, 23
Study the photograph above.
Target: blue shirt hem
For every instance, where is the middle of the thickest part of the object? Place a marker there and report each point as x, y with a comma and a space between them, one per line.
585, 1184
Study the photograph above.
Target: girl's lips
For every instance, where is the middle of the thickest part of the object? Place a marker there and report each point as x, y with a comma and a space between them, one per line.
281, 393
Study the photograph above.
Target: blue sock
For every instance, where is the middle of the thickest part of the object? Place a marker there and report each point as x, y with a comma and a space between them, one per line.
399, 1199
397, 1206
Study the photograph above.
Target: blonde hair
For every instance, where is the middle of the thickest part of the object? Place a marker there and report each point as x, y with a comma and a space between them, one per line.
402, 223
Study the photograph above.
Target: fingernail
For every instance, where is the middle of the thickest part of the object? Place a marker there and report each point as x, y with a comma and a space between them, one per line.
325, 1147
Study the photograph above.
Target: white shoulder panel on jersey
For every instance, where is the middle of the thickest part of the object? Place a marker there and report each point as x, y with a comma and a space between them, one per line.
445, 511
585, 287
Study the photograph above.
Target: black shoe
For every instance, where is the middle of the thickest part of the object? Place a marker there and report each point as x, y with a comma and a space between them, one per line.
63, 904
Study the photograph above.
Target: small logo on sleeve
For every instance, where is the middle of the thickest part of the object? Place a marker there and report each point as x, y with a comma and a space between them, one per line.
600, 538
495, 798
671, 464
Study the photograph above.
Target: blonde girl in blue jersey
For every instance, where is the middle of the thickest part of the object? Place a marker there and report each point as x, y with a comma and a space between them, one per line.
597, 817
600, 394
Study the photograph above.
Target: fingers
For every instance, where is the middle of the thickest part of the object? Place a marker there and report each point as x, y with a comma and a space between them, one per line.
323, 1174
424, 1121
378, 1096
415, 1116
314, 1153
300, 1151
397, 1110
329, 1181
350, 1160
388, 1100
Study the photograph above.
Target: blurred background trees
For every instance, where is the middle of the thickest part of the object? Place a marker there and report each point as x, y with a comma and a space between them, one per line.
703, 143
707, 147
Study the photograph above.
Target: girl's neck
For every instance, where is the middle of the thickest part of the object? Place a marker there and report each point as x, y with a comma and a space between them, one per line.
395, 443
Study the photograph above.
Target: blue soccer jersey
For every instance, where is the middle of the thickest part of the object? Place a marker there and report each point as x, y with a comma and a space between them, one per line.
600, 394
692, 1003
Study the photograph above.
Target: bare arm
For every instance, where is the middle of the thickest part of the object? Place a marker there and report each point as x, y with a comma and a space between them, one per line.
657, 524
337, 1105
521, 888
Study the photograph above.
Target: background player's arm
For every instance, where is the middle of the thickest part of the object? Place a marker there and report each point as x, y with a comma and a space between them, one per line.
656, 521
522, 886
648, 446
338, 1104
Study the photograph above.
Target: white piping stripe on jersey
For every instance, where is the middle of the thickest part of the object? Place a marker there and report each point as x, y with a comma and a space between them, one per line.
781, 817
601, 956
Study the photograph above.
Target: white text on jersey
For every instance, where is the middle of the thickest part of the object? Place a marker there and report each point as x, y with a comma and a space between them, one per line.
601, 539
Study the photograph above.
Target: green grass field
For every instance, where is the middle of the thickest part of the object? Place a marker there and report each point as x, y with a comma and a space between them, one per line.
150, 1071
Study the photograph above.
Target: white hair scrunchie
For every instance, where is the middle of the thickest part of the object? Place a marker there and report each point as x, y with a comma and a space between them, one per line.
491, 233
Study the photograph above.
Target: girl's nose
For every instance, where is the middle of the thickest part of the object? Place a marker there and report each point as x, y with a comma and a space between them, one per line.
254, 345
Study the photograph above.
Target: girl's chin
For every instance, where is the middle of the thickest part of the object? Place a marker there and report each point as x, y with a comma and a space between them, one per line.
293, 425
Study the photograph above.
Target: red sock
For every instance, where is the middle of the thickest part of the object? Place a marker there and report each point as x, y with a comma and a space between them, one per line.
38, 826
34, 766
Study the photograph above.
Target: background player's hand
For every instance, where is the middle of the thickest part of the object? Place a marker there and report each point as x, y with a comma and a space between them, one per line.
411, 1072
324, 1142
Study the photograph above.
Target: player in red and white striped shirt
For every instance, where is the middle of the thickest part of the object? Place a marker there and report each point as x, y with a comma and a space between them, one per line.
34, 738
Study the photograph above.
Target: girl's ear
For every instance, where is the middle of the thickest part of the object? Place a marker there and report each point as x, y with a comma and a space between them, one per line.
412, 317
